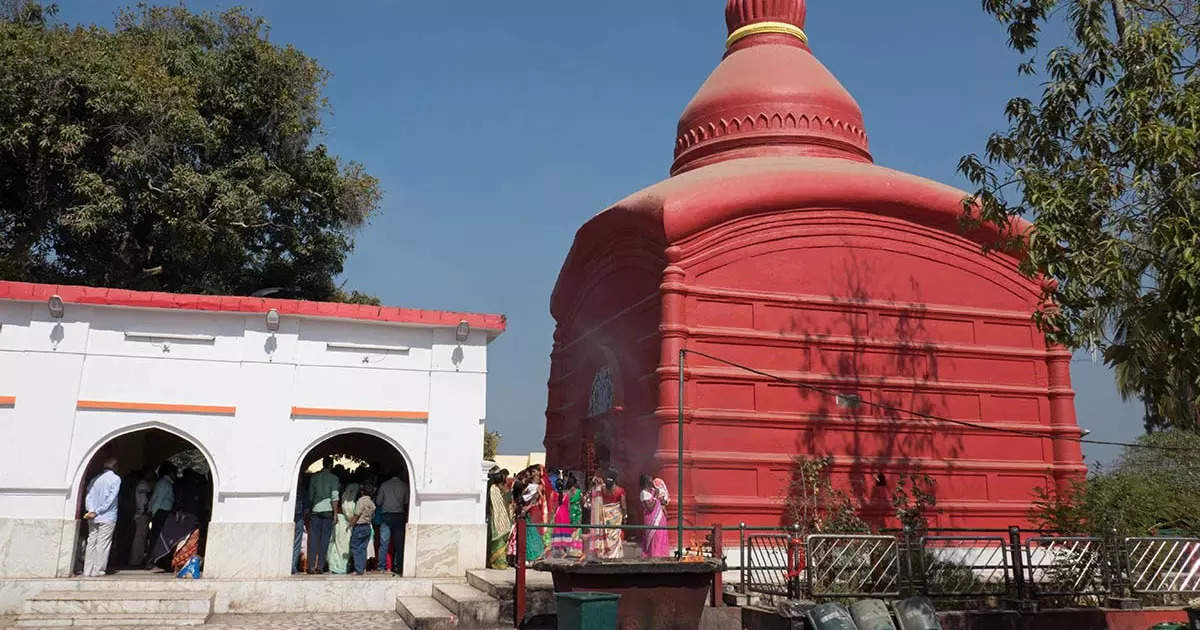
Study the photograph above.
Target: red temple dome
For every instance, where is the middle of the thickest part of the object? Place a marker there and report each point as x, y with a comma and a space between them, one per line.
769, 96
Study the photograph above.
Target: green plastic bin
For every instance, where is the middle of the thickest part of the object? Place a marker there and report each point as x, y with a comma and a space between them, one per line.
587, 611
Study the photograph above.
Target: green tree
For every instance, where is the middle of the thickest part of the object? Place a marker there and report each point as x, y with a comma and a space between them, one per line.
914, 498
813, 505
1106, 165
176, 151
491, 444
1147, 489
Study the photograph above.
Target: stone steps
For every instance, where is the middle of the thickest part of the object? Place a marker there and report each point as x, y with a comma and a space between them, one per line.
116, 608
472, 607
425, 613
499, 583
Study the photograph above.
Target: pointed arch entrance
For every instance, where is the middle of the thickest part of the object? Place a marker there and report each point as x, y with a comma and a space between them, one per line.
153, 463
355, 459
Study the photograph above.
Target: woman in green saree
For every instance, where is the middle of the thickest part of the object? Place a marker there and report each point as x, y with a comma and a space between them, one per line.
530, 506
500, 520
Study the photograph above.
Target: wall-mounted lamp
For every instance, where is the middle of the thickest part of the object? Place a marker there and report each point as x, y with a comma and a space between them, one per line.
849, 401
55, 305
463, 331
273, 320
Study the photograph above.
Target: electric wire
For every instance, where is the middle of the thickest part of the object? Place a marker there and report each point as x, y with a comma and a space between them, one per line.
927, 416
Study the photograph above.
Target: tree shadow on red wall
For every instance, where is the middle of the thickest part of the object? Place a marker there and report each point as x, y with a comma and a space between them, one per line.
877, 349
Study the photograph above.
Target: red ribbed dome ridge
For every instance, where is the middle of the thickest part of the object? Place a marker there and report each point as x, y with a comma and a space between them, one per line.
769, 96
739, 13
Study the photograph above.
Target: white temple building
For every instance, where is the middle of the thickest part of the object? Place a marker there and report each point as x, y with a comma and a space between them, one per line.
259, 389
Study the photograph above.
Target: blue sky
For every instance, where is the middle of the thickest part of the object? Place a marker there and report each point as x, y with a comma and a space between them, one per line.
498, 128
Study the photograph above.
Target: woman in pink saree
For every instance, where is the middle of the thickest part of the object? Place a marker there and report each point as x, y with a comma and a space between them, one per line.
567, 542
654, 498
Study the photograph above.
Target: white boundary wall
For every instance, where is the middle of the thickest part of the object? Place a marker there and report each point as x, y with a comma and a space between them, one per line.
47, 439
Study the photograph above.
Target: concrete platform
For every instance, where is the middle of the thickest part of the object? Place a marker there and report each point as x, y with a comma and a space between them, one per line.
300, 594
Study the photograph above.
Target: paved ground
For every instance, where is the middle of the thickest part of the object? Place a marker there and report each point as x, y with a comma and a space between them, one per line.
290, 621
357, 621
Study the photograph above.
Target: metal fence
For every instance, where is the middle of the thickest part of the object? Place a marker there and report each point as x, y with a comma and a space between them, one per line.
770, 564
1163, 566
853, 566
1013, 566
954, 566
1067, 566
963, 566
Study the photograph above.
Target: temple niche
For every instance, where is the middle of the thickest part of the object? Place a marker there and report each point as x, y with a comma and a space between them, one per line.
777, 243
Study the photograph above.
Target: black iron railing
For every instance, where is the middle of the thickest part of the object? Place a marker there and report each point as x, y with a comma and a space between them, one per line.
1012, 567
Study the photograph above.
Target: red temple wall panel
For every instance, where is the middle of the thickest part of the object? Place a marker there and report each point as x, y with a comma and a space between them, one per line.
993, 370
860, 273
1012, 334
1010, 487
1011, 408
962, 486
808, 322
926, 324
895, 443
781, 355
929, 328
731, 313
731, 481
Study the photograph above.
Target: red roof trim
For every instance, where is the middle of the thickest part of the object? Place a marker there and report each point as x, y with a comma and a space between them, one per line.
234, 304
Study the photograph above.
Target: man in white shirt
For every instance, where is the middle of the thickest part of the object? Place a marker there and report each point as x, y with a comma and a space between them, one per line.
392, 503
141, 516
100, 506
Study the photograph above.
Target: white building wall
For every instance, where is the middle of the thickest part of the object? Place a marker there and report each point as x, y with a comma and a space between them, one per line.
46, 442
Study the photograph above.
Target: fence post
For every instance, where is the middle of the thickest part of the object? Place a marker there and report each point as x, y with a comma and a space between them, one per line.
1120, 594
718, 587
1018, 566
793, 575
742, 558
519, 583
909, 576
1113, 564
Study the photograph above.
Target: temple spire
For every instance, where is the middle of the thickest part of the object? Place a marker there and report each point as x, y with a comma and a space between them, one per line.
769, 97
747, 18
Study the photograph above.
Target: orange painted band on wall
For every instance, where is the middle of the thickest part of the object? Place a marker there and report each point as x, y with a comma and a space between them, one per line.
111, 405
375, 414
8, 401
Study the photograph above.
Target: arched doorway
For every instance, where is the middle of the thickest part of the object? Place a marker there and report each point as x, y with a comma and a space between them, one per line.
351, 462
158, 469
